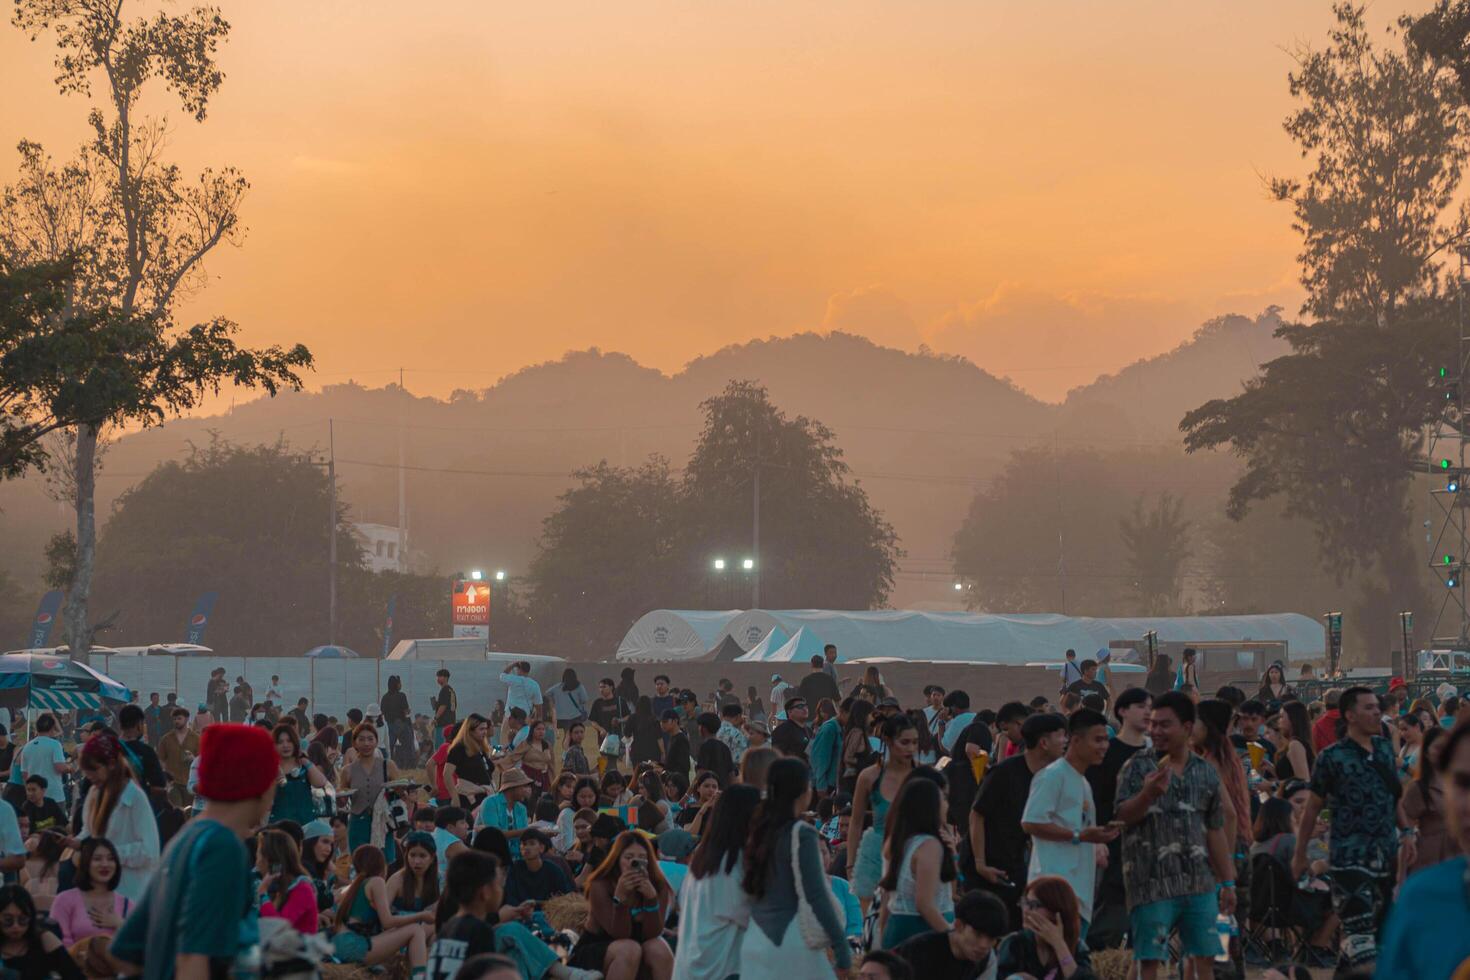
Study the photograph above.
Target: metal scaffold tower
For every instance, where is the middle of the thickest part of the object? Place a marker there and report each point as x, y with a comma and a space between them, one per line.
1447, 456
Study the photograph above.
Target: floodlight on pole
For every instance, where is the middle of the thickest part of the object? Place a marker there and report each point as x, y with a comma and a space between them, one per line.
500, 575
719, 564
748, 564
476, 575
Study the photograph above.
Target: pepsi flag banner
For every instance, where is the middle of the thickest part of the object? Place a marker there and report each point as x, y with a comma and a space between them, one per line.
199, 618
46, 611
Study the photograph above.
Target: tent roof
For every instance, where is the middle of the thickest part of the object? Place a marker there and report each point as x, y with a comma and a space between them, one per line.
675, 634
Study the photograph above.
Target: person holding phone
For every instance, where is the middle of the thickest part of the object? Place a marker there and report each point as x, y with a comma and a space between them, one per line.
629, 901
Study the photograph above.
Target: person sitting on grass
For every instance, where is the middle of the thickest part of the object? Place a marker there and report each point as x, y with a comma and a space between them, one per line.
367, 930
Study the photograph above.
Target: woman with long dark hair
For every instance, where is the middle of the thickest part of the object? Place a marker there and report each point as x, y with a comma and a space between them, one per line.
294, 800
918, 867
1295, 758
319, 858
644, 732
1211, 740
31, 952
1423, 808
92, 906
414, 888
286, 890
1411, 741
366, 929
533, 755
1274, 689
1160, 678
877, 786
714, 908
704, 794
794, 917
41, 875
629, 901
117, 808
856, 753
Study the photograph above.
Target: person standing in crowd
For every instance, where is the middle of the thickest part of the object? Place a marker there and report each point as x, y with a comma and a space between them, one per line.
818, 684
294, 799
606, 714
1211, 739
1423, 809
1357, 777
217, 695
199, 912
967, 745
1071, 672
627, 686
303, 718
857, 751
131, 723
1295, 756
732, 723
153, 717
714, 755
714, 909
1088, 683
239, 705
826, 746
1060, 815
876, 788
1188, 675
521, 691
365, 776
688, 708
467, 763
1178, 866
957, 718
662, 698
1274, 689
1329, 728
1109, 923
1160, 677
445, 705
1428, 929
786, 883
396, 715
997, 841
675, 744
918, 866
791, 736
569, 702
43, 756
829, 661
117, 808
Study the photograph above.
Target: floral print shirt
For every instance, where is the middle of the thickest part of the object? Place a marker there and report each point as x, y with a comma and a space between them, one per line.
1165, 855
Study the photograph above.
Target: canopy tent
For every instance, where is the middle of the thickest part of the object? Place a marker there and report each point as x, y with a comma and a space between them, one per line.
727, 651
961, 637
332, 653
801, 648
752, 626
674, 634
766, 649
55, 683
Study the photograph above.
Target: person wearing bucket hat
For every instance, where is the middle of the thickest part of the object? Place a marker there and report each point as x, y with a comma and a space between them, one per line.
505, 809
198, 912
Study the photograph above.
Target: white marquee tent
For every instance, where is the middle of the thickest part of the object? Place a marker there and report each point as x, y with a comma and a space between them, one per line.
953, 636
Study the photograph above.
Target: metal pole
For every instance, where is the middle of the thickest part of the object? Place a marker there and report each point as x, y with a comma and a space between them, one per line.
402, 496
332, 535
755, 535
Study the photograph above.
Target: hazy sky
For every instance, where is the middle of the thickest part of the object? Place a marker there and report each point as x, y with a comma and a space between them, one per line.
1052, 188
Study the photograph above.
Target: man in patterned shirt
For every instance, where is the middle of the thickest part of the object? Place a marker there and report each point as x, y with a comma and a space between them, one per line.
1170, 801
731, 733
1356, 777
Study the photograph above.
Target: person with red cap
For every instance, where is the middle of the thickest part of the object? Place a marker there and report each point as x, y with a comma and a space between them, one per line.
198, 912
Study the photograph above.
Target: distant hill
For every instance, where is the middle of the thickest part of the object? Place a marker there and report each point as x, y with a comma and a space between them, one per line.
920, 431
1147, 399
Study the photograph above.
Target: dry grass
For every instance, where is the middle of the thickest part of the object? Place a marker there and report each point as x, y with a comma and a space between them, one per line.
567, 912
394, 969
1111, 964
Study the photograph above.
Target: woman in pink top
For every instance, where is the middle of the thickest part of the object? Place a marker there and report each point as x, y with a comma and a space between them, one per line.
286, 889
93, 907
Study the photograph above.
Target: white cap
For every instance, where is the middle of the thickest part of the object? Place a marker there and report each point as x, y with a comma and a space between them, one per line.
775, 678
372, 710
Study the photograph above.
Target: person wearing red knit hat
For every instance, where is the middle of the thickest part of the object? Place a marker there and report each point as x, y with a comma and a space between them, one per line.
198, 912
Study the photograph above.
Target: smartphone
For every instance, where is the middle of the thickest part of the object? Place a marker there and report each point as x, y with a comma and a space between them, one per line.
640, 864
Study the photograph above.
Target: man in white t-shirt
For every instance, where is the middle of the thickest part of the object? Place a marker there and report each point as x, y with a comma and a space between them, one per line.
43, 756
1060, 814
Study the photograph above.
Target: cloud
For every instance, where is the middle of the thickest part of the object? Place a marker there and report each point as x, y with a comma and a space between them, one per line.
322, 165
1051, 342
873, 312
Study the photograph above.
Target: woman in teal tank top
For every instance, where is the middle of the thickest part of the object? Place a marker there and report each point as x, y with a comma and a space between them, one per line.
294, 800
876, 787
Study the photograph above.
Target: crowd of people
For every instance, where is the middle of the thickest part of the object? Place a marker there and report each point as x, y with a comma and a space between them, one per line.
828, 828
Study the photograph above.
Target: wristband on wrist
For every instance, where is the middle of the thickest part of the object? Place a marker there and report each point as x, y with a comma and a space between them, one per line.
1076, 837
1066, 962
1227, 884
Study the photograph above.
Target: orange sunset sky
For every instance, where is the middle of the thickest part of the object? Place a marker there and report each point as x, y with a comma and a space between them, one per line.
1052, 188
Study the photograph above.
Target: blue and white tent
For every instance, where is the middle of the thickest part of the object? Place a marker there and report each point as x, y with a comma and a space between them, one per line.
332, 653
55, 683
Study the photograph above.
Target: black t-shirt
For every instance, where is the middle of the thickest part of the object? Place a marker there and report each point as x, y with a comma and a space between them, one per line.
445, 699
469, 765
395, 706
462, 937
1001, 801
931, 958
7, 757
961, 774
817, 685
153, 775
1103, 777
47, 816
522, 884
604, 713
789, 738
1081, 688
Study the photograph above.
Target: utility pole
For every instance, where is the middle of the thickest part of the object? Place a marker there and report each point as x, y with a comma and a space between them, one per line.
402, 497
332, 535
755, 530
1061, 542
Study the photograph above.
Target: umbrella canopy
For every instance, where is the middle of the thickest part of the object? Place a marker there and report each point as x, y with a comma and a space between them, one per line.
330, 652
39, 681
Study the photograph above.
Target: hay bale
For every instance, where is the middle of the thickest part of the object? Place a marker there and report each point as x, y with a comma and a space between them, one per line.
567, 912
1111, 964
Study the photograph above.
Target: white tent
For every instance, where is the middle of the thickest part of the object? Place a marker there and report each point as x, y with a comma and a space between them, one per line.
766, 649
961, 637
804, 645
752, 626
674, 634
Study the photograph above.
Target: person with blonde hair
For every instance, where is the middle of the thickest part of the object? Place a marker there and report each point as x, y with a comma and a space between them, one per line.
467, 766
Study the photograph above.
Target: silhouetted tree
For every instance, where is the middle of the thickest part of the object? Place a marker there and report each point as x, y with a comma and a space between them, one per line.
1157, 545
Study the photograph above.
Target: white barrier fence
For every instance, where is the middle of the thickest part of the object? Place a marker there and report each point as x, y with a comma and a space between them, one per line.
330, 686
